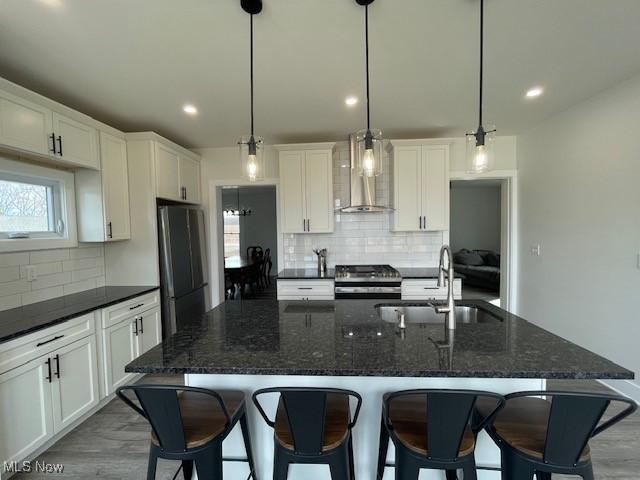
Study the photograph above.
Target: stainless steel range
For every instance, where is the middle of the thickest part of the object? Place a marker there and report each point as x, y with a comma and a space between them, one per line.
367, 281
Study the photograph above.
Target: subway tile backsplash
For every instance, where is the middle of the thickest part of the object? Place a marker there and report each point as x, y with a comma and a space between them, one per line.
57, 272
362, 238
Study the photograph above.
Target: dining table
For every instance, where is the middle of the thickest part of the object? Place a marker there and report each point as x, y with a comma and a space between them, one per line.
238, 268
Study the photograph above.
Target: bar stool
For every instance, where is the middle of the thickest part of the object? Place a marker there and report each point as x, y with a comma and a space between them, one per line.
434, 429
312, 425
189, 424
539, 436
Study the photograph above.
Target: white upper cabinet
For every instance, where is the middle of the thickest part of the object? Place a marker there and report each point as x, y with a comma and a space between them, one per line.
167, 173
420, 187
76, 142
177, 174
292, 186
190, 179
35, 125
306, 185
102, 197
25, 125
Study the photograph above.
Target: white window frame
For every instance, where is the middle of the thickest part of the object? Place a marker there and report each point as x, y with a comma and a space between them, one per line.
62, 183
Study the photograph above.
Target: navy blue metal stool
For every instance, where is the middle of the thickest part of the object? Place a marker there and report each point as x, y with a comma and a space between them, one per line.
434, 429
189, 424
312, 425
544, 436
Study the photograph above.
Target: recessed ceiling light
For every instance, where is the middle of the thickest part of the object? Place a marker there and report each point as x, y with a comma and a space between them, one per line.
190, 109
351, 101
534, 92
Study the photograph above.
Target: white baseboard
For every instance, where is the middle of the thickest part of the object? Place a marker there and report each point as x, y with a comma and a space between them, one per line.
628, 388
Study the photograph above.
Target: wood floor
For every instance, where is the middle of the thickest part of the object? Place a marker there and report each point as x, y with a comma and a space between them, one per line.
113, 444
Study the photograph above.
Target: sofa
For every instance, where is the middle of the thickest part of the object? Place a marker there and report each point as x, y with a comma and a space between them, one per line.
479, 268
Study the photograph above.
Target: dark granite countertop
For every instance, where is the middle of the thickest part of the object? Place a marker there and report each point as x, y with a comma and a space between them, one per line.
305, 274
349, 337
30, 318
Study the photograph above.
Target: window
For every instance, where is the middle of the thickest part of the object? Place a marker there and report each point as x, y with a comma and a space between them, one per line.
231, 234
27, 206
37, 208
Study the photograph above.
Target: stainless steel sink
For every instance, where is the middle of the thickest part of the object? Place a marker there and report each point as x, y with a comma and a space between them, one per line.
427, 314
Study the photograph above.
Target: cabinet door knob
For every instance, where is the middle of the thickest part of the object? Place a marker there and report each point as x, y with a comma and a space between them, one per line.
420, 221
135, 322
109, 230
141, 325
60, 145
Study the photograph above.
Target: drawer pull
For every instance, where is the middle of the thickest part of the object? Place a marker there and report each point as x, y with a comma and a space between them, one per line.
305, 288
58, 337
431, 288
136, 306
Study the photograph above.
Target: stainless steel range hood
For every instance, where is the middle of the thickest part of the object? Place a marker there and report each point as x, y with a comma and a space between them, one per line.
362, 193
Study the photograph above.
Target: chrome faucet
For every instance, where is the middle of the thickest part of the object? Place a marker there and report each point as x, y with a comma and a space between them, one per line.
449, 309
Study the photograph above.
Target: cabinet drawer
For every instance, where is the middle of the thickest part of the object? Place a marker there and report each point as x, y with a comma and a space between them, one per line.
295, 290
428, 288
22, 350
116, 313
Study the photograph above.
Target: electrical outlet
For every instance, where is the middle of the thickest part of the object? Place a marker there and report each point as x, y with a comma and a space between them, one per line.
31, 273
535, 250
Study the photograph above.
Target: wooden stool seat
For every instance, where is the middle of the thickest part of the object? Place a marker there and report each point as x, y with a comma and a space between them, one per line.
202, 417
408, 417
336, 425
522, 423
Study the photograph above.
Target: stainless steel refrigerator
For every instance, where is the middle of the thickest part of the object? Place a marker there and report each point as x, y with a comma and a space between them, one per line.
183, 272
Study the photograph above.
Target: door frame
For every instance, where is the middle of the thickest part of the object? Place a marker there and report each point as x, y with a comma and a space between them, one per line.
508, 230
216, 231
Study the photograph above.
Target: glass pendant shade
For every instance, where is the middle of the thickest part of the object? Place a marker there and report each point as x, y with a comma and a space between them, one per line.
480, 151
251, 157
369, 153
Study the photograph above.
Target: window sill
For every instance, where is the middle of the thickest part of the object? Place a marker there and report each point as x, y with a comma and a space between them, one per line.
22, 244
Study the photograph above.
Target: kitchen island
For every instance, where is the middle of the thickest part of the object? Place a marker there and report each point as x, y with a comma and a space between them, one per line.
357, 344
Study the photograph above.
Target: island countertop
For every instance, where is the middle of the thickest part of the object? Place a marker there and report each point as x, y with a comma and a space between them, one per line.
349, 338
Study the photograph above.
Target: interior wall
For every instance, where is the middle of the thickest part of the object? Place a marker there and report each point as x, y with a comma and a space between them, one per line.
579, 199
475, 217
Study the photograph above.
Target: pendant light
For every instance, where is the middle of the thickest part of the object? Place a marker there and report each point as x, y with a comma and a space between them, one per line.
480, 142
251, 146
369, 141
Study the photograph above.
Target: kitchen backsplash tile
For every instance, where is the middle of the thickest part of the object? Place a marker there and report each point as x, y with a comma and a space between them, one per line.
59, 272
360, 238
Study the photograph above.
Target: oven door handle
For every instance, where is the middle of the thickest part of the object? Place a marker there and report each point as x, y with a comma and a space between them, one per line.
368, 289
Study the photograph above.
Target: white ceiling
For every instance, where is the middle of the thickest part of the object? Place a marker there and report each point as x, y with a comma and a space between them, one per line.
134, 63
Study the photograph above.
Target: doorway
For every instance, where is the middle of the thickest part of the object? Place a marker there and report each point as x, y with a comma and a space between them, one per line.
477, 237
249, 234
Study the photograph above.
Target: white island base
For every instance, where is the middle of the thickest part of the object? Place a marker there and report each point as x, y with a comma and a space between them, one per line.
365, 434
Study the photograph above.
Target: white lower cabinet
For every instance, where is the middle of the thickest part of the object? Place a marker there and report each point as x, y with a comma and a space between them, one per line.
126, 340
149, 330
306, 290
74, 384
42, 397
51, 379
26, 420
428, 289
120, 348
